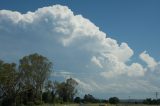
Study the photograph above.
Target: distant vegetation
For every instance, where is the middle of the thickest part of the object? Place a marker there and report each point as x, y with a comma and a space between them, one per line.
114, 100
150, 101
88, 98
27, 83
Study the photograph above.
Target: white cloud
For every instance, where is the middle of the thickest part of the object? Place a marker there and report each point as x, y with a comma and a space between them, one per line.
72, 42
136, 70
84, 87
96, 62
150, 61
123, 53
115, 68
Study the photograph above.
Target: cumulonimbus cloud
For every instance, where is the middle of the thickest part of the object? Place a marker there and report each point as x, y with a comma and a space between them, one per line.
73, 42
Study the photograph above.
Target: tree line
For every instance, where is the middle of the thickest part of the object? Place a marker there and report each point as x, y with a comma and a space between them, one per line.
28, 83
56, 92
150, 101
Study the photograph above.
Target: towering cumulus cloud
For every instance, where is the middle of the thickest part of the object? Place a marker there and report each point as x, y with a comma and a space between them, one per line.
76, 46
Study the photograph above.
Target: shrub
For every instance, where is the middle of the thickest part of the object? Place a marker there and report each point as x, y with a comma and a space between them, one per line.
113, 100
38, 102
30, 103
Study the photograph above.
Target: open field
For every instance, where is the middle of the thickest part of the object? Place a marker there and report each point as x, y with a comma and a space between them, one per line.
97, 105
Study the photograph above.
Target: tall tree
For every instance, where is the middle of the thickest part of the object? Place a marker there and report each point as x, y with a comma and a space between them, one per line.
67, 90
50, 92
35, 70
9, 82
71, 87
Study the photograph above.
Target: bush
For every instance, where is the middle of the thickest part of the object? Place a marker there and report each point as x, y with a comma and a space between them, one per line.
30, 103
47, 97
38, 102
7, 102
77, 100
113, 100
20, 105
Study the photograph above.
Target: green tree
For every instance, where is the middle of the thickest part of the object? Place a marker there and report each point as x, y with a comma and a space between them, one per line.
88, 98
67, 90
113, 100
50, 92
9, 83
35, 70
77, 100
71, 85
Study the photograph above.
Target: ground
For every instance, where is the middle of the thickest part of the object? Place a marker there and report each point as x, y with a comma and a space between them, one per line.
97, 105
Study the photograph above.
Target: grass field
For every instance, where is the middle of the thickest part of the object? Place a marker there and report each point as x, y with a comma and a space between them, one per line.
97, 105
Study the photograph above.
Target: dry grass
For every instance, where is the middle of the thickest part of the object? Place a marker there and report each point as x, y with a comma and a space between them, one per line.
96, 105
70, 105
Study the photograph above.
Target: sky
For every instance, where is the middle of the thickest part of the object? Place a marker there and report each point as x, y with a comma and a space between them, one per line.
109, 47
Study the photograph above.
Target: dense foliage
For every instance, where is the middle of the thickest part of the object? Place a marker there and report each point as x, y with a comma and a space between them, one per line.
23, 84
28, 83
114, 100
88, 98
150, 101
63, 92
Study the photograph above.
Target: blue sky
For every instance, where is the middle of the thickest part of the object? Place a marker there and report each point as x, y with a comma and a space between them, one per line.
126, 62
133, 21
